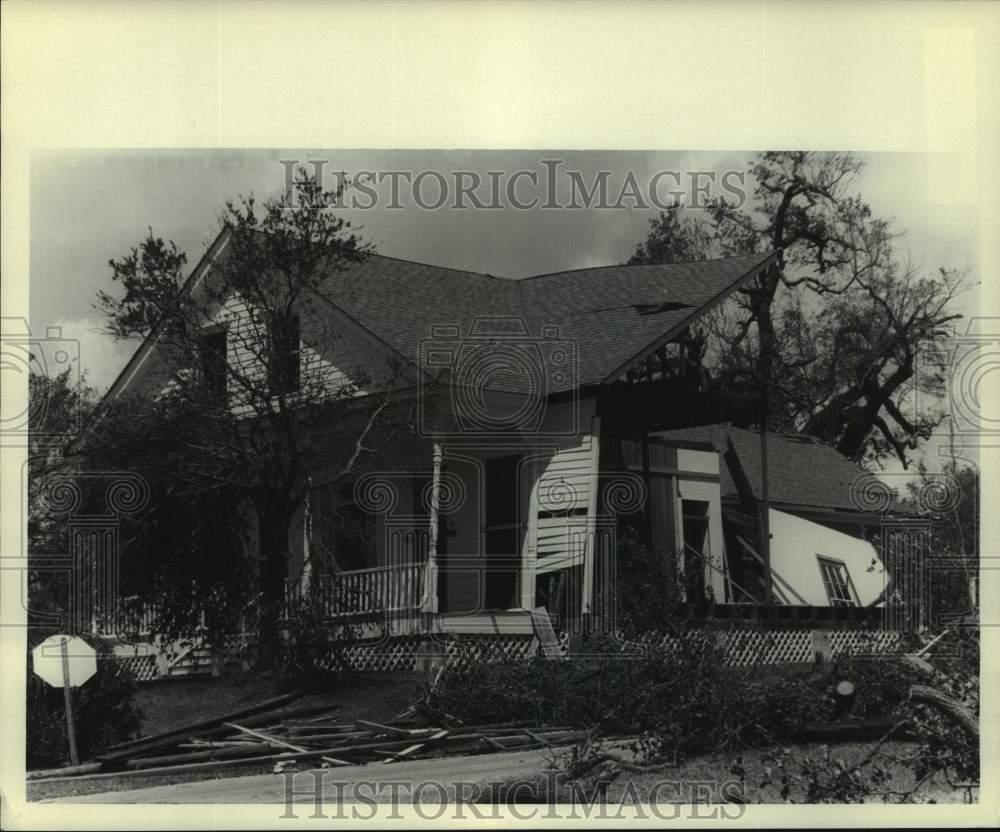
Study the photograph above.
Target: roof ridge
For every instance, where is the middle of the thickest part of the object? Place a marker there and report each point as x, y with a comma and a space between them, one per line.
646, 265
438, 266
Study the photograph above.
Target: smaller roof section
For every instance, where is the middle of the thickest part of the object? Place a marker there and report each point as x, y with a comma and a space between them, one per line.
802, 471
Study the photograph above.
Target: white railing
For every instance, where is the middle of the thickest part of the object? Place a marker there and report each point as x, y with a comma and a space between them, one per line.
128, 618
384, 589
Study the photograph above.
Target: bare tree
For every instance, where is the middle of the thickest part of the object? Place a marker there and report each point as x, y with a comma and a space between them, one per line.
833, 337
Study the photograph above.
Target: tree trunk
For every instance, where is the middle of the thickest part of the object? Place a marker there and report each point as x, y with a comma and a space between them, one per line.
274, 528
955, 711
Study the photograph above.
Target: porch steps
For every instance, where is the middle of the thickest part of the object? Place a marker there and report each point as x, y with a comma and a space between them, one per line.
548, 644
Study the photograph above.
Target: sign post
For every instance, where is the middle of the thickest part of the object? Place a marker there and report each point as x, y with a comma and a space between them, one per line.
65, 662
74, 758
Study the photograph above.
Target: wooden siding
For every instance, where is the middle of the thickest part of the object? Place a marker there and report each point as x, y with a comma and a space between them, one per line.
565, 487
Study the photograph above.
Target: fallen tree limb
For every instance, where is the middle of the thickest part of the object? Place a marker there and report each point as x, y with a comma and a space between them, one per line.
955, 711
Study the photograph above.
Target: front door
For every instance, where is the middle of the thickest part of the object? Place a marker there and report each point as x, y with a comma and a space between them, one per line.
502, 532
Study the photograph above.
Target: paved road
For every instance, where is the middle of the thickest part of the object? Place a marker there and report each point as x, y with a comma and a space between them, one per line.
370, 783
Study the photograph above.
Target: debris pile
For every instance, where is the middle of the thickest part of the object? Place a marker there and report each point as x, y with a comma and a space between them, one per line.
270, 734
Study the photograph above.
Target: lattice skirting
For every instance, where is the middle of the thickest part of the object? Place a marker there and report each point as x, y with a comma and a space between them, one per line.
742, 648
864, 642
392, 654
472, 650
140, 668
400, 654
747, 648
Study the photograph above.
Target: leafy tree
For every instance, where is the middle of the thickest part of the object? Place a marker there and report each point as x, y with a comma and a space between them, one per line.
834, 336
246, 425
60, 404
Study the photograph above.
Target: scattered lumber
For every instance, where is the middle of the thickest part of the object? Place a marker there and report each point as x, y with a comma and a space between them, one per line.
266, 737
197, 756
270, 736
384, 729
124, 751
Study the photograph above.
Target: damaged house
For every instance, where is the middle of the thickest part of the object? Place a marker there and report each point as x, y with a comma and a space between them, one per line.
568, 416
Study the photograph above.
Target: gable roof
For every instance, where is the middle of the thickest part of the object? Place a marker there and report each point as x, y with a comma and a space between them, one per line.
614, 315
801, 470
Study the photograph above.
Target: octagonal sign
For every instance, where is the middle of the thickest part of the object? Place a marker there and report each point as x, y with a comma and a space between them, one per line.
47, 660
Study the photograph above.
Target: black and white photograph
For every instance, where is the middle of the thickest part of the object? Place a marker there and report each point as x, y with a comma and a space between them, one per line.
519, 485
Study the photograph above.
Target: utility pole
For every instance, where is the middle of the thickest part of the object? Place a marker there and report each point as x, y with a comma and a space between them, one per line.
765, 512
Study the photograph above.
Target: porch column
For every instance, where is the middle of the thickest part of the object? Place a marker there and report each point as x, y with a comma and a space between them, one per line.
586, 602
429, 604
529, 560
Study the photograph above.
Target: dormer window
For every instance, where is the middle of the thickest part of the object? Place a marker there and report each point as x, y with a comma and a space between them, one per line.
283, 359
213, 346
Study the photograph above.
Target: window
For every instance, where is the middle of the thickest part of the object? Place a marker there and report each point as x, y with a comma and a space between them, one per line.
213, 365
837, 581
283, 359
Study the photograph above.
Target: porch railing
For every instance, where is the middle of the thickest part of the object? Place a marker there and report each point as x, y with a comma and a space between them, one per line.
384, 589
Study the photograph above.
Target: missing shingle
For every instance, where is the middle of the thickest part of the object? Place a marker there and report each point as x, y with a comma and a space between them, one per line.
657, 308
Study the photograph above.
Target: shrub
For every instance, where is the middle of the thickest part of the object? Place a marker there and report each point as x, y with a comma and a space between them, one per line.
103, 710
677, 696
316, 649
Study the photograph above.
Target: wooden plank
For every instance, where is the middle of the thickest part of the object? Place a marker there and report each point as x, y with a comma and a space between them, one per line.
546, 636
406, 752
124, 751
307, 738
537, 738
266, 737
385, 729
196, 756
66, 771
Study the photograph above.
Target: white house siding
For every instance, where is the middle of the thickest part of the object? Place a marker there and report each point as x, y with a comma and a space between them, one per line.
334, 352
797, 544
565, 486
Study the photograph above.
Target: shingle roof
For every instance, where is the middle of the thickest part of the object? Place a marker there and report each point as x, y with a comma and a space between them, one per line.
800, 470
611, 314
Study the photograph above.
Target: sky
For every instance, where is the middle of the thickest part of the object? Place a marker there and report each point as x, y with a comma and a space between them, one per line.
90, 206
